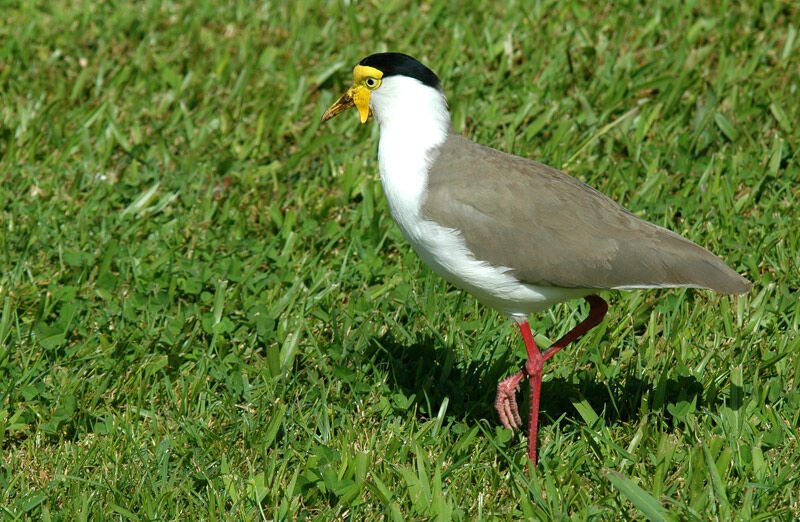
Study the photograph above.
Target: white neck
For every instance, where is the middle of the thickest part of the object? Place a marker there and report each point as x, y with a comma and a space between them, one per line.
413, 120
405, 106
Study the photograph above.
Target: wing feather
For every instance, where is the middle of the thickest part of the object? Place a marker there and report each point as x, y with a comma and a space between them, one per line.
551, 229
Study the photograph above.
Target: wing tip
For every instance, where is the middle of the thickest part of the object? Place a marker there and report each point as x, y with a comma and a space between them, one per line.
734, 286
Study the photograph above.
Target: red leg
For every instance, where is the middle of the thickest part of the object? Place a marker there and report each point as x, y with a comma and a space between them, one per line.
597, 310
506, 403
534, 368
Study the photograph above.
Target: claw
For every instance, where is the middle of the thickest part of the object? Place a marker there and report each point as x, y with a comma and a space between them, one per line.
506, 401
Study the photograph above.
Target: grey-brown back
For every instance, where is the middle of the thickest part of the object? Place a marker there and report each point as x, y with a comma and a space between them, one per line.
553, 230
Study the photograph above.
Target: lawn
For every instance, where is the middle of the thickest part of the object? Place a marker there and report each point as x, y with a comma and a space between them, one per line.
206, 311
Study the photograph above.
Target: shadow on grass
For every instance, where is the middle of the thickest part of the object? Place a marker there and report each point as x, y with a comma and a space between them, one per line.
426, 373
429, 372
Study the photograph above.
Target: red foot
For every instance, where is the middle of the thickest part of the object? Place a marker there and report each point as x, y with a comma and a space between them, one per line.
506, 401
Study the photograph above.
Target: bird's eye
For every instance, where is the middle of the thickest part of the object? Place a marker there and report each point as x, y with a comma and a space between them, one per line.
371, 82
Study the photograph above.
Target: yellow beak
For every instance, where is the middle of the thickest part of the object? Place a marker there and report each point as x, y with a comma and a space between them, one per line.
357, 96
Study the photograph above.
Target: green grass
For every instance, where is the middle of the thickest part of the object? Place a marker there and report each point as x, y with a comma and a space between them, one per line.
206, 311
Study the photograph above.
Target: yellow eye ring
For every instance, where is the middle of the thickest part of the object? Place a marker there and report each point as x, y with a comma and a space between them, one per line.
371, 82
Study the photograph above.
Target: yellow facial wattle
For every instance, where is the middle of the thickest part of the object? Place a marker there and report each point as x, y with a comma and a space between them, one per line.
365, 80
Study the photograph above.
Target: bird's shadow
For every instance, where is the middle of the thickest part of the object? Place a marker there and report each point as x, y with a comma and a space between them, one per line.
426, 373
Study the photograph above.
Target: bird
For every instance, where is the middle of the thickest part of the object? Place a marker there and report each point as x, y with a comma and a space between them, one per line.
518, 235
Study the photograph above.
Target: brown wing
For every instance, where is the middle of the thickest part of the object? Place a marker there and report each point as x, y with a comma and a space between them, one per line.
554, 230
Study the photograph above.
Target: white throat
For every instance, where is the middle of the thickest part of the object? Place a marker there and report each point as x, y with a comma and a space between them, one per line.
414, 121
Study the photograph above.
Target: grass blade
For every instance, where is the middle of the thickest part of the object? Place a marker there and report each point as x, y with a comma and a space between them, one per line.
640, 498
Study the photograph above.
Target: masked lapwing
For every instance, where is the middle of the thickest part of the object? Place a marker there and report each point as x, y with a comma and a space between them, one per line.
516, 234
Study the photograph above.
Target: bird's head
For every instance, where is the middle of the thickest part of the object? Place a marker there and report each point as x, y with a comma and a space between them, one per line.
382, 79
